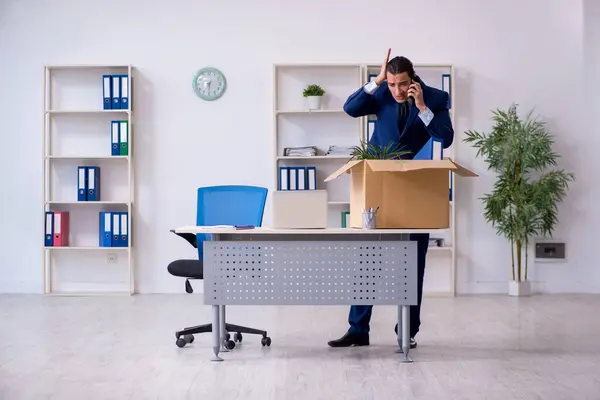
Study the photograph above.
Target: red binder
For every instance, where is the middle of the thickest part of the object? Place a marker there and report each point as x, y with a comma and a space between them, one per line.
61, 228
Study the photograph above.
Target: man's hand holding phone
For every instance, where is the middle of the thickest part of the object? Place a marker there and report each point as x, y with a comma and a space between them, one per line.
416, 92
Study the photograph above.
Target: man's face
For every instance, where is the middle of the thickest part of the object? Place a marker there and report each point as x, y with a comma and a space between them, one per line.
398, 85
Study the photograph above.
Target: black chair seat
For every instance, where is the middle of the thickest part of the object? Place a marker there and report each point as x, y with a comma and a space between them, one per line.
187, 269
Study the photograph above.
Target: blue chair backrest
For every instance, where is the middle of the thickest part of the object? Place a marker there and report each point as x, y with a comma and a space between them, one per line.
229, 205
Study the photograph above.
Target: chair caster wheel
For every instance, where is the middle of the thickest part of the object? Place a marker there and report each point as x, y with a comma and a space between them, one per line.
229, 344
189, 338
182, 341
238, 337
266, 341
227, 336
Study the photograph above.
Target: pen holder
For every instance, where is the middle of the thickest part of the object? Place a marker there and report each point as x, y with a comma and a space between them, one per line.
369, 220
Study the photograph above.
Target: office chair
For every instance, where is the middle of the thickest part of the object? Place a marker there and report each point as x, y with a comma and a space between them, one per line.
219, 205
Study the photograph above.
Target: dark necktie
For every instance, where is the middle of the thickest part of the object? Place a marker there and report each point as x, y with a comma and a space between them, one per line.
402, 116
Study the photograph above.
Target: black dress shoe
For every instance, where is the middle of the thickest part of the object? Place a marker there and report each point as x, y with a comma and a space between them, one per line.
350, 339
413, 342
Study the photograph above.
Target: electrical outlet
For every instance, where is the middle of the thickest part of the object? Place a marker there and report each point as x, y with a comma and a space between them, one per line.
550, 251
111, 258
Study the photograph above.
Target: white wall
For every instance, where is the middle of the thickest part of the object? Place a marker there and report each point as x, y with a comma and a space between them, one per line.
527, 51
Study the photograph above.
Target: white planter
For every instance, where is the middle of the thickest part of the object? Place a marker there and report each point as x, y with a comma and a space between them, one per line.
314, 102
522, 288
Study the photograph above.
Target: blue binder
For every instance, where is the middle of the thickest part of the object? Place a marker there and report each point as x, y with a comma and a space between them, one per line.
447, 87
371, 124
105, 229
284, 178
116, 230
124, 229
107, 91
114, 135
49, 229
82, 184
432, 150
301, 183
93, 183
124, 82
311, 178
116, 92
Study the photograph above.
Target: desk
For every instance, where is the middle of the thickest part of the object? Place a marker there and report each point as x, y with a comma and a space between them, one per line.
341, 266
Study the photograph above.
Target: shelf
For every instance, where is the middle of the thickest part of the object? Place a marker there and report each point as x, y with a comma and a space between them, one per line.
439, 248
87, 157
100, 111
303, 158
319, 65
85, 248
295, 125
81, 294
85, 66
89, 202
78, 131
333, 111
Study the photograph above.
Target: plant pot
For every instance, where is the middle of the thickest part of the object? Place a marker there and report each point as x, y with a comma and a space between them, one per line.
314, 102
519, 289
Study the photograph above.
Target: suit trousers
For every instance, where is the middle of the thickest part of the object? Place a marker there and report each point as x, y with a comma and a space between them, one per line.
360, 316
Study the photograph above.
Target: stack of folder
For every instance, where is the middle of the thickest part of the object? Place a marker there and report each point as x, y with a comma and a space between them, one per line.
114, 229
340, 150
119, 133
115, 91
297, 178
56, 229
88, 183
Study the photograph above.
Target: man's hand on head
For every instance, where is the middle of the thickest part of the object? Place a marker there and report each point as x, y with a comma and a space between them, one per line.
383, 72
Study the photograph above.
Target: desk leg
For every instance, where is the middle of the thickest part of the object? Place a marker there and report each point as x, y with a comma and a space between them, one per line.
216, 334
404, 327
223, 329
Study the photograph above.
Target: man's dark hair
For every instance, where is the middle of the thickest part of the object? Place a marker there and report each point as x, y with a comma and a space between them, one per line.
399, 64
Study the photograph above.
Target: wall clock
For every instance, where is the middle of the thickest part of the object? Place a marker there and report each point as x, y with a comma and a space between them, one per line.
209, 83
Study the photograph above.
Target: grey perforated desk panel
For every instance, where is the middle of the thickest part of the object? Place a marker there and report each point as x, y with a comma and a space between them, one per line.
346, 266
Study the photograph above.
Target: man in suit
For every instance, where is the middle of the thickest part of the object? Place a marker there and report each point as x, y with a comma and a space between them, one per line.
408, 114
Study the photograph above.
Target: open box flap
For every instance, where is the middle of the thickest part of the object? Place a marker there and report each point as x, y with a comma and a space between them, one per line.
345, 168
415, 165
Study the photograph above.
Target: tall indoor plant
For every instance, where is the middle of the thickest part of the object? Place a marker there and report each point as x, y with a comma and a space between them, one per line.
528, 188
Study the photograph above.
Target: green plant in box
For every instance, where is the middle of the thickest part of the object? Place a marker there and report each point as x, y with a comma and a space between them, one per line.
525, 196
369, 151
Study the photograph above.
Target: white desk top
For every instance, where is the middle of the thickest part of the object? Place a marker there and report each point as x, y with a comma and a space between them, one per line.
222, 229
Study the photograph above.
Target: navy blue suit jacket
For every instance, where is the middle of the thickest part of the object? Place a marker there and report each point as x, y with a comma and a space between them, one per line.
415, 134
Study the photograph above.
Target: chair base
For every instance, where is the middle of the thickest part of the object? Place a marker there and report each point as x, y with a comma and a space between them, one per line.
186, 335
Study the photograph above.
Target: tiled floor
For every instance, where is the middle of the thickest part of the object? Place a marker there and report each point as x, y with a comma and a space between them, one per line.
484, 347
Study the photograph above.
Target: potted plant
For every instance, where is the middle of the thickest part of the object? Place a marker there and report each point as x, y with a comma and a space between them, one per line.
370, 151
314, 95
528, 187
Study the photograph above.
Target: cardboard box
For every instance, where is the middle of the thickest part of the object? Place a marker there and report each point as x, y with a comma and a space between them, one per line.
411, 194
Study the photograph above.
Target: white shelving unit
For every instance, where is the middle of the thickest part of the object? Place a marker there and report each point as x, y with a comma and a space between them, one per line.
77, 132
295, 125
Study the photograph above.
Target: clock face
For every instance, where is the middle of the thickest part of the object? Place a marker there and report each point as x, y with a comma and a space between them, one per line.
209, 84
